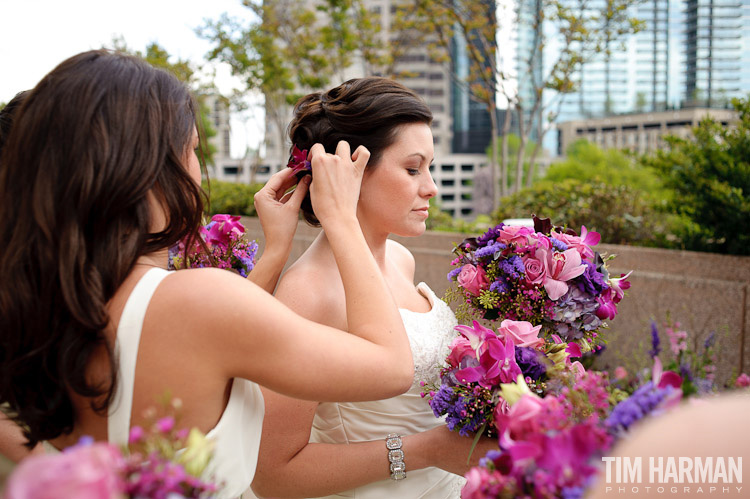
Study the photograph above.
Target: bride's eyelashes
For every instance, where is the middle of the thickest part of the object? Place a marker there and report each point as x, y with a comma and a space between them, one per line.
413, 171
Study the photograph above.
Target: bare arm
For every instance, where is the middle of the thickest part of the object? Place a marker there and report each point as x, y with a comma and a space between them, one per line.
290, 466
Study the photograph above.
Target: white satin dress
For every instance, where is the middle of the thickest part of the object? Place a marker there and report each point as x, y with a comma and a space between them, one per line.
430, 335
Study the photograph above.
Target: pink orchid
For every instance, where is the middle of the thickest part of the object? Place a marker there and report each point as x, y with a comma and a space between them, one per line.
607, 308
473, 279
580, 243
521, 333
477, 335
619, 285
497, 364
298, 161
560, 268
218, 232
578, 369
573, 350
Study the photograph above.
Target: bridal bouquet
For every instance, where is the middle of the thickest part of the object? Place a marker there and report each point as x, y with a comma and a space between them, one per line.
547, 276
224, 246
152, 467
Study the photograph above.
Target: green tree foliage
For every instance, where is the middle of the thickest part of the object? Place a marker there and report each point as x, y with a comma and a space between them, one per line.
187, 72
586, 161
231, 198
620, 213
286, 49
710, 177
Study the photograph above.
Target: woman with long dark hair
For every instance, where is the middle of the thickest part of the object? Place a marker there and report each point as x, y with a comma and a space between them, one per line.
99, 178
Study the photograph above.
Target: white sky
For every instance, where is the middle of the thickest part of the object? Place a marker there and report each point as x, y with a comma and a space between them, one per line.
36, 35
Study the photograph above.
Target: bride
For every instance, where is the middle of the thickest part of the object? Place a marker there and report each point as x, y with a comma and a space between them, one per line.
311, 449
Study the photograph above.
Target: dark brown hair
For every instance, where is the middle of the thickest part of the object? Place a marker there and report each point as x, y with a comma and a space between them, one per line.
361, 111
97, 134
7, 114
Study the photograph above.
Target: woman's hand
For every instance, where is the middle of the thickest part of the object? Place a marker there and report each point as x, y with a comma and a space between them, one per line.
447, 450
337, 179
278, 209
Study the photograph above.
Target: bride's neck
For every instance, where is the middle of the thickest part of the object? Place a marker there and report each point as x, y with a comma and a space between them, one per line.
156, 259
376, 243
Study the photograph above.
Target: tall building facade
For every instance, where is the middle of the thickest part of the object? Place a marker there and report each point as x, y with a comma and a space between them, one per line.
460, 127
690, 53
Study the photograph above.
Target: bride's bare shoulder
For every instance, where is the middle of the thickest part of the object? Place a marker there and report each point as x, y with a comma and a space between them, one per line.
401, 257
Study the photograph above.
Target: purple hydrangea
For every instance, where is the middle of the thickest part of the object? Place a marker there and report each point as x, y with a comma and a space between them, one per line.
531, 362
574, 313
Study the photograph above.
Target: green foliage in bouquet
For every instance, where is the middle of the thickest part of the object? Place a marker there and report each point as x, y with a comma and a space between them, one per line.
231, 198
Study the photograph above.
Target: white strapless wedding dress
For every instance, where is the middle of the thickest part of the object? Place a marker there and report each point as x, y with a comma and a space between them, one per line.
430, 335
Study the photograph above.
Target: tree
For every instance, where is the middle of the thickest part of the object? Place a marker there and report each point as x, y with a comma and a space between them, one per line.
581, 31
286, 49
710, 177
187, 72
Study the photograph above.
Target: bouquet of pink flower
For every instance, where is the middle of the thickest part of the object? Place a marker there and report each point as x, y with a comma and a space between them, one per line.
548, 276
223, 246
482, 361
152, 467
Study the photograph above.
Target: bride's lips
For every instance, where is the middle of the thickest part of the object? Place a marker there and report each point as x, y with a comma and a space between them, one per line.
422, 211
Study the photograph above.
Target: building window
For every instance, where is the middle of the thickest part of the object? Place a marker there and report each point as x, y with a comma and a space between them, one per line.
437, 108
264, 168
436, 76
447, 197
231, 170
447, 182
467, 168
466, 211
447, 168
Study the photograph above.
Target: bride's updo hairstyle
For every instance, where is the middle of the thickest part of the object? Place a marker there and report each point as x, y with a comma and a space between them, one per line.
361, 111
96, 144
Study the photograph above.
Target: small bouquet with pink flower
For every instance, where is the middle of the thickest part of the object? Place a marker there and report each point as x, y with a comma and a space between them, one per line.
547, 275
161, 462
482, 361
223, 245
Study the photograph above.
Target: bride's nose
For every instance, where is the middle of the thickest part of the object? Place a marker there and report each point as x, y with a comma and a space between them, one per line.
428, 189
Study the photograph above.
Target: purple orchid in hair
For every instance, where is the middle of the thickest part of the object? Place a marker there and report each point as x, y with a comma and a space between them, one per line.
298, 161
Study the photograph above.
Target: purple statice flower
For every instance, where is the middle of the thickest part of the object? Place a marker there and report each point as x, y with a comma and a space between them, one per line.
591, 281
441, 400
634, 408
490, 457
513, 267
572, 493
710, 340
703, 385
531, 362
499, 286
558, 245
655, 349
489, 250
491, 235
453, 274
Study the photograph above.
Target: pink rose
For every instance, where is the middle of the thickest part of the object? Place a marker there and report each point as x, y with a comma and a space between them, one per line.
83, 472
620, 373
535, 270
521, 333
742, 381
473, 279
